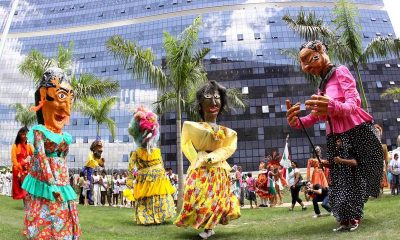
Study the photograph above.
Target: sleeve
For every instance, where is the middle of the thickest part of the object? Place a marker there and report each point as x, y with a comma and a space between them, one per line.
308, 176
307, 121
223, 153
187, 145
14, 157
44, 162
131, 168
352, 98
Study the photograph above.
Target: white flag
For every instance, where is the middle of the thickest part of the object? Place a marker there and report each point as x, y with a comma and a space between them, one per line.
285, 161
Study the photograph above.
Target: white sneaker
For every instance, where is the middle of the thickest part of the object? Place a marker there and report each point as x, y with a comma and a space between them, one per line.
316, 216
205, 235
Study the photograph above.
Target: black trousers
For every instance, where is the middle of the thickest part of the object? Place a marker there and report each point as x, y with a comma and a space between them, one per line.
294, 192
81, 197
325, 203
103, 197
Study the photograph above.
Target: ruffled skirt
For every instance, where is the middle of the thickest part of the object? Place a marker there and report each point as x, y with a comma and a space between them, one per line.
208, 199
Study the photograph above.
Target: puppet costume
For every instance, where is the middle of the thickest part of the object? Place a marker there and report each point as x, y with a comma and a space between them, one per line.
51, 213
208, 198
152, 189
350, 185
93, 161
45, 218
20, 156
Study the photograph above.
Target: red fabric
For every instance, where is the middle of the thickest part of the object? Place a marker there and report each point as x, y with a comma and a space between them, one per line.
20, 174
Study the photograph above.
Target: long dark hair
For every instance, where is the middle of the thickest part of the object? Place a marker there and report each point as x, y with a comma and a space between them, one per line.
211, 86
18, 138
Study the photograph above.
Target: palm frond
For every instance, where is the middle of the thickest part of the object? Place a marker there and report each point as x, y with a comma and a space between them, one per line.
308, 26
64, 56
111, 126
166, 103
381, 47
34, 65
23, 115
348, 28
393, 93
236, 99
90, 85
141, 61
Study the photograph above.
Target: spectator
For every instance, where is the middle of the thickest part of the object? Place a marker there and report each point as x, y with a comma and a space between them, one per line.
103, 182
295, 183
251, 190
395, 171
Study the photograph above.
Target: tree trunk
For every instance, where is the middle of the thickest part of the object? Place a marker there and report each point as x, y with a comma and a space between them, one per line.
364, 102
179, 152
98, 131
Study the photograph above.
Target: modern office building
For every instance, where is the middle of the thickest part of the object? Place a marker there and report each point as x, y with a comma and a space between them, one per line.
245, 37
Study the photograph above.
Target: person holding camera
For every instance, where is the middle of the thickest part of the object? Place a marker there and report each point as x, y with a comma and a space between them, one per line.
318, 194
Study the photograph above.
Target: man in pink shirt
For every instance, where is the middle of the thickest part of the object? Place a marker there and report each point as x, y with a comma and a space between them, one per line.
354, 152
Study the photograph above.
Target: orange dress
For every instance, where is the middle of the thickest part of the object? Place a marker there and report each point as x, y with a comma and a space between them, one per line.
386, 156
317, 176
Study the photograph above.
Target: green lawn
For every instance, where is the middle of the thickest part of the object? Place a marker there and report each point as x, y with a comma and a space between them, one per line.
380, 222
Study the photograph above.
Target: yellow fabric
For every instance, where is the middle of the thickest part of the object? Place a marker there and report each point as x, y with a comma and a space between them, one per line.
92, 162
128, 194
208, 199
154, 210
151, 179
214, 148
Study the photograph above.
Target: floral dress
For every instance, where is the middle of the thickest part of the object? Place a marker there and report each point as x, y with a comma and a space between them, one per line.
208, 198
152, 188
45, 218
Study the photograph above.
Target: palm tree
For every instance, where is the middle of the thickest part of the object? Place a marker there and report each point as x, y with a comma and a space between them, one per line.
185, 73
345, 41
25, 117
393, 93
86, 85
99, 111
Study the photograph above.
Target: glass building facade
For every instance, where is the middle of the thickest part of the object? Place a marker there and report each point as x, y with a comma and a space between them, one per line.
245, 37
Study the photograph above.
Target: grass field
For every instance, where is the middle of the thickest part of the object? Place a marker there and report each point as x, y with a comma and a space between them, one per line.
380, 222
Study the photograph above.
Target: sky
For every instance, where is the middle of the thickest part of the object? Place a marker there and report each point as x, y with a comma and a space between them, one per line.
393, 7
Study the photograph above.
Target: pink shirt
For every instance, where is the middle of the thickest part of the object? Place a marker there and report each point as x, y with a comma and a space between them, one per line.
250, 184
344, 105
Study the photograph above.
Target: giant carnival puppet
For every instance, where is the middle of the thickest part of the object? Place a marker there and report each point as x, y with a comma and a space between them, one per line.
152, 190
94, 160
354, 153
51, 212
21, 152
208, 198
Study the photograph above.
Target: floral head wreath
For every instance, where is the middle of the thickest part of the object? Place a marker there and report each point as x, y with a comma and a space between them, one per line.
144, 128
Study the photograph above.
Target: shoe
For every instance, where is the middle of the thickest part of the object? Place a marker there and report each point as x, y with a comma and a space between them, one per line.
206, 234
316, 216
304, 208
341, 228
353, 227
290, 209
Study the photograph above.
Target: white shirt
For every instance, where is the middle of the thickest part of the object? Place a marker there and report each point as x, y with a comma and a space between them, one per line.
291, 177
396, 166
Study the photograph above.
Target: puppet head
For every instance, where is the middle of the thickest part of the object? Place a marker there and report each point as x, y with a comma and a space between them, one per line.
144, 128
97, 148
211, 99
53, 99
314, 58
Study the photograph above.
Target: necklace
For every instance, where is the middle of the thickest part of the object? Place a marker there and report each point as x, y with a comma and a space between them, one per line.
213, 125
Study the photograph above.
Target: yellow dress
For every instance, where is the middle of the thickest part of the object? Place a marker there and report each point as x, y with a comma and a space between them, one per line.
208, 198
152, 189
